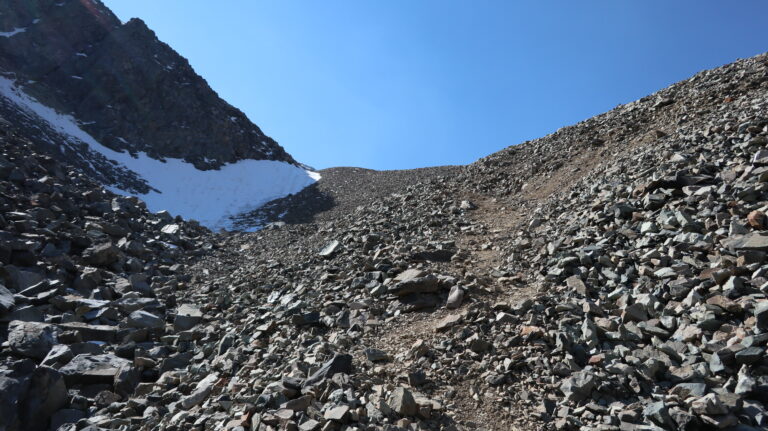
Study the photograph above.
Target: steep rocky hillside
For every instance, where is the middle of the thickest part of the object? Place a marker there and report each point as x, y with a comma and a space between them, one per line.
111, 100
610, 276
75, 261
114, 102
128, 90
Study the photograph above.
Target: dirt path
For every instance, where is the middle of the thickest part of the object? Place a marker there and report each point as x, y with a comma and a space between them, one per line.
399, 335
500, 219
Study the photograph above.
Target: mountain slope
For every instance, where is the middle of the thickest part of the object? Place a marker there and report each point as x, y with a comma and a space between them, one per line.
128, 111
610, 276
128, 90
212, 197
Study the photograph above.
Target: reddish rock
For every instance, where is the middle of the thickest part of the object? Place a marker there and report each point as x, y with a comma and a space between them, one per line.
757, 219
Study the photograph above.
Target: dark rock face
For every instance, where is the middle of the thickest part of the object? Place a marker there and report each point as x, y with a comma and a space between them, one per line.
129, 90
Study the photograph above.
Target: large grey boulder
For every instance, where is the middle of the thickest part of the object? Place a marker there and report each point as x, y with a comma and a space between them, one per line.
93, 369
31, 339
187, 316
401, 400
425, 284
102, 254
13, 390
144, 319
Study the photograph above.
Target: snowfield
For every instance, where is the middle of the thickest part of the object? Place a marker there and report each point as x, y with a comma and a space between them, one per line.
210, 197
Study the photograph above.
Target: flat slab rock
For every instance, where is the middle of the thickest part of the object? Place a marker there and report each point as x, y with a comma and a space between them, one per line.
448, 321
103, 333
751, 241
90, 369
144, 319
330, 249
425, 284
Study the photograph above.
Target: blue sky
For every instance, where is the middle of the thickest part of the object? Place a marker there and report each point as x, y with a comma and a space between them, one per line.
402, 84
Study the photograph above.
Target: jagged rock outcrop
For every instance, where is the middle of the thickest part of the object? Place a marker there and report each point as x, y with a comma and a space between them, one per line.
127, 89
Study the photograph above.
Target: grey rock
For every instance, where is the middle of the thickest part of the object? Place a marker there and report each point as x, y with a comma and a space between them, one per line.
685, 390
6, 300
658, 413
337, 414
309, 425
31, 339
752, 241
66, 416
200, 393
376, 355
417, 285
340, 363
455, 297
93, 369
47, 394
579, 385
750, 355
143, 319
187, 317
14, 390
402, 402
101, 254
761, 314
330, 249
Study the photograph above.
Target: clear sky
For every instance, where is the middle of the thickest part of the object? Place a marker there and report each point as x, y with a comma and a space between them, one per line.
395, 84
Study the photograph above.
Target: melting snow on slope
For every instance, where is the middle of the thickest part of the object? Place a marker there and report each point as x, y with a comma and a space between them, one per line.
13, 32
210, 197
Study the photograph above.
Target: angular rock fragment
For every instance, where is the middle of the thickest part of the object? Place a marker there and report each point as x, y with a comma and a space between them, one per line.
31, 339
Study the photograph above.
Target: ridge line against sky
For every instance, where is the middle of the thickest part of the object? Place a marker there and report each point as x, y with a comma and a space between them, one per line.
402, 84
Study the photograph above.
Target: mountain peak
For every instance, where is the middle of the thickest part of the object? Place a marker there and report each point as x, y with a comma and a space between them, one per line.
128, 89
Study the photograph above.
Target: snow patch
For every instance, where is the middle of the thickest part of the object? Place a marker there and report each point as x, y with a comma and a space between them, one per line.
13, 32
212, 197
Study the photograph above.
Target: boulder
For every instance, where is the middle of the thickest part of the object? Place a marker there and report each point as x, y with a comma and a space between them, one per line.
187, 316
340, 363
402, 402
93, 369
144, 319
31, 339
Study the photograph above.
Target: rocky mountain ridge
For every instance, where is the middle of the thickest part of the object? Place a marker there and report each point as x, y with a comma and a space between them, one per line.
126, 88
112, 101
